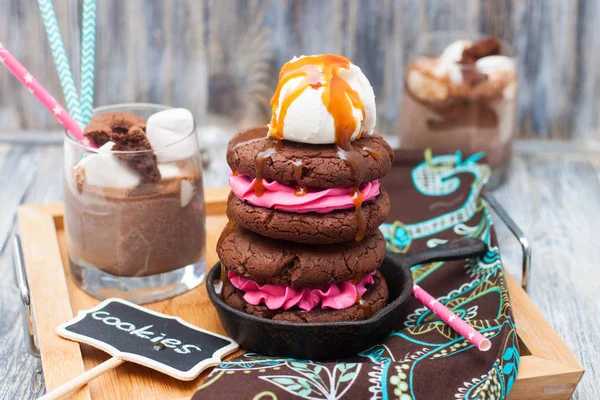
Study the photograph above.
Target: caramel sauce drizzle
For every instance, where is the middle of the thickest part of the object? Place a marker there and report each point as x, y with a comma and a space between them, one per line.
316, 71
357, 198
273, 145
372, 153
229, 226
357, 278
366, 307
339, 99
362, 304
301, 189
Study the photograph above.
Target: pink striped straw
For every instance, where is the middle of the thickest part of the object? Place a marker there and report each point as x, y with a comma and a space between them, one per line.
36, 89
456, 323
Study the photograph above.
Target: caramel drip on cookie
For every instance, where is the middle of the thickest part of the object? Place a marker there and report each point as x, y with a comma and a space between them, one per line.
229, 226
354, 159
223, 274
300, 187
366, 307
357, 278
273, 145
358, 298
372, 152
358, 197
339, 99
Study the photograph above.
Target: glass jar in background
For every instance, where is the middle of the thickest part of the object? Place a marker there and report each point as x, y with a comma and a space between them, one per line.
468, 104
128, 237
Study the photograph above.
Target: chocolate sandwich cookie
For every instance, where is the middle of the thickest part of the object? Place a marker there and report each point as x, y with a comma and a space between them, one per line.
308, 165
372, 301
279, 262
312, 228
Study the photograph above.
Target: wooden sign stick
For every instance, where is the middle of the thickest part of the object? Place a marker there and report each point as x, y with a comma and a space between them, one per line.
129, 332
82, 379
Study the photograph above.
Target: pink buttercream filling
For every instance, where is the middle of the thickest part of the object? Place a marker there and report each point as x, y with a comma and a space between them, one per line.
282, 197
337, 295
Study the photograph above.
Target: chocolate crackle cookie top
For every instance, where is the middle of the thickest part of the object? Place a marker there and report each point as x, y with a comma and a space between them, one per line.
280, 262
311, 228
314, 165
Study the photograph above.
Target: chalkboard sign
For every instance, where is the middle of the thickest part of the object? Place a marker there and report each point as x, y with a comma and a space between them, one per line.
162, 342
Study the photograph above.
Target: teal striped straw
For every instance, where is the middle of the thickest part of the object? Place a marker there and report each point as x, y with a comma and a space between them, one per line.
88, 54
60, 59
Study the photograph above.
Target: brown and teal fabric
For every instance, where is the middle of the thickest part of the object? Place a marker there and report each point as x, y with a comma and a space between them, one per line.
434, 199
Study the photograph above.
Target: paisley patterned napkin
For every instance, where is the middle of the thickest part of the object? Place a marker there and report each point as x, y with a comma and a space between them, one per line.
433, 200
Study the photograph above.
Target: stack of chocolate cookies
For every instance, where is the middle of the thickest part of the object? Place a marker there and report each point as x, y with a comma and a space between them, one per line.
303, 242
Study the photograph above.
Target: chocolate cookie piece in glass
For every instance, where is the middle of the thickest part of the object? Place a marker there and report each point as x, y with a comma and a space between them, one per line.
460, 94
134, 206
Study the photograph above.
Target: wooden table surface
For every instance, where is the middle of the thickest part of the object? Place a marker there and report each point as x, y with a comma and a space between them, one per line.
553, 195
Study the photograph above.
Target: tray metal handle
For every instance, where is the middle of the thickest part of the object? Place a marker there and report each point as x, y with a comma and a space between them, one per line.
517, 232
28, 325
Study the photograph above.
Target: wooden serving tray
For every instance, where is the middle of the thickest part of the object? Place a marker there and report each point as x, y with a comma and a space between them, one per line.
548, 370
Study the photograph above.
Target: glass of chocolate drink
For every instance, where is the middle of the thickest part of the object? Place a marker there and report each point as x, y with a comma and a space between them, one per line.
460, 93
134, 203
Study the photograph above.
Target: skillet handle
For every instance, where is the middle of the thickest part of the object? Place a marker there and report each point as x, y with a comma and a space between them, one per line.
457, 249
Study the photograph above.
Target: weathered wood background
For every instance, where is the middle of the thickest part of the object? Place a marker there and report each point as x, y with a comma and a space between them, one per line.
222, 56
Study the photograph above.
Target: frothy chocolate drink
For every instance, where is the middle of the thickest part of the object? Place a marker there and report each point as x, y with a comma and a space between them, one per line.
465, 99
133, 209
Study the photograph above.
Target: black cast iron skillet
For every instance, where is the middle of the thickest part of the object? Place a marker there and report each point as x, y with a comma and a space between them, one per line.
333, 340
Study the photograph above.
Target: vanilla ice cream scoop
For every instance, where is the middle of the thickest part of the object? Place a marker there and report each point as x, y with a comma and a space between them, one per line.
322, 99
165, 130
104, 170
